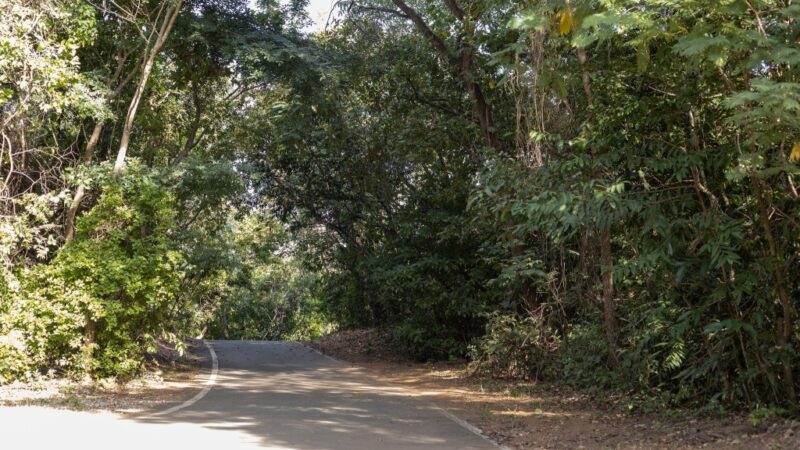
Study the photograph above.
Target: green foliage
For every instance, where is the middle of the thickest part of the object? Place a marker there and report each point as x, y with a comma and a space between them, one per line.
582, 362
266, 295
516, 347
39, 68
44, 95
120, 273
14, 364
125, 274
689, 115
51, 313
153, 253
381, 208
599, 193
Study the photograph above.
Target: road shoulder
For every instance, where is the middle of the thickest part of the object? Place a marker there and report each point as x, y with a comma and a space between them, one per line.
538, 415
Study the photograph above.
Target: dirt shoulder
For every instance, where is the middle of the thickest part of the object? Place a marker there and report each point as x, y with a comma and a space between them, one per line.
543, 416
169, 378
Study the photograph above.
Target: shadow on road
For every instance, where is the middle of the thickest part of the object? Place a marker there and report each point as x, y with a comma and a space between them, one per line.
285, 395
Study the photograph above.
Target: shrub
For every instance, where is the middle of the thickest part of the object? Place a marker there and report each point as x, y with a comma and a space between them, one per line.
515, 346
51, 314
99, 303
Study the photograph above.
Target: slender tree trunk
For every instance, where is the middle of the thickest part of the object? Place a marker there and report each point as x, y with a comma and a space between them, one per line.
604, 243
81, 191
587, 81
609, 313
462, 67
88, 344
195, 135
224, 319
130, 116
784, 334
149, 61
88, 153
528, 293
89, 328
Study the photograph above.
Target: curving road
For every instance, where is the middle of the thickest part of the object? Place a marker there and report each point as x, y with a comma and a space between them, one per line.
268, 395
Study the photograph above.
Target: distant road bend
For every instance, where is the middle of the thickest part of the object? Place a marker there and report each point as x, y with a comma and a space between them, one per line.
267, 395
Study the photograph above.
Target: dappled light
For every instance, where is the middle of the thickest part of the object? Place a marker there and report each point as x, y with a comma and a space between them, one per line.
286, 394
273, 395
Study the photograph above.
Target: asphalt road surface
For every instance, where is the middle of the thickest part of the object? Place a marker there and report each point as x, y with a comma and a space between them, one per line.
268, 395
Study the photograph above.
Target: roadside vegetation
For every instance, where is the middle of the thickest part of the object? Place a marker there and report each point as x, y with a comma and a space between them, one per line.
599, 194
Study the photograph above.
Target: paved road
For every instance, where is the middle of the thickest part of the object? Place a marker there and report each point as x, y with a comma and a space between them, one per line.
273, 395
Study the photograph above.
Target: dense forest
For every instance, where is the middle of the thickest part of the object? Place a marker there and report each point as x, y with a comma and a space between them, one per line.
600, 193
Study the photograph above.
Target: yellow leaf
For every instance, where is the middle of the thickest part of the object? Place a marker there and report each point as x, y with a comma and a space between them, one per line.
565, 25
491, 84
795, 155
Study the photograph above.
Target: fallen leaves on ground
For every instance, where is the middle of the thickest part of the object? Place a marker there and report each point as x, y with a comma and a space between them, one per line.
535, 415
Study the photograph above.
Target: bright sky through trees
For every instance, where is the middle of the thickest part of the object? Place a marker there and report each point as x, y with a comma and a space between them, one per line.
318, 11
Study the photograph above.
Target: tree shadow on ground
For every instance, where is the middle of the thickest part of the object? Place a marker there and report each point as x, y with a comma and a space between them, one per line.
285, 395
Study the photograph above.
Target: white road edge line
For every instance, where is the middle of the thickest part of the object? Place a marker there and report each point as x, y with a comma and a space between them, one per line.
323, 354
463, 423
468, 426
212, 379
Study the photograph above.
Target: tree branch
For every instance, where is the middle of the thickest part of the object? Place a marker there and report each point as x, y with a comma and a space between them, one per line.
455, 9
423, 28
